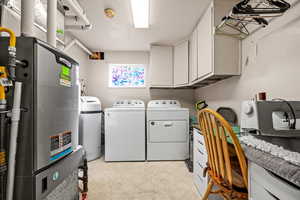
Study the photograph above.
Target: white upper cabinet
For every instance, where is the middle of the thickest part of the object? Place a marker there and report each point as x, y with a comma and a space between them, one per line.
181, 64
205, 43
218, 55
161, 66
193, 57
205, 59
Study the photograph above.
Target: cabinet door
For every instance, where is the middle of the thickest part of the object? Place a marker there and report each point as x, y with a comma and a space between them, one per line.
193, 57
205, 43
181, 64
161, 66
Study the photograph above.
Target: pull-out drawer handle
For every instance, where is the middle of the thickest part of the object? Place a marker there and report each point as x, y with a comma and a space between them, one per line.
200, 178
200, 142
200, 152
200, 165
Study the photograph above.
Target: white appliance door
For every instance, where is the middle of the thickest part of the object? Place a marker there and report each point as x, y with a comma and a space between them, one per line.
168, 131
91, 135
125, 135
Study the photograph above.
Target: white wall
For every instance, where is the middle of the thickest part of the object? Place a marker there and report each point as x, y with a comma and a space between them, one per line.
82, 58
97, 82
270, 63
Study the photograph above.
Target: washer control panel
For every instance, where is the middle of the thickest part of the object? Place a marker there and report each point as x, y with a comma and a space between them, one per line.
164, 104
129, 103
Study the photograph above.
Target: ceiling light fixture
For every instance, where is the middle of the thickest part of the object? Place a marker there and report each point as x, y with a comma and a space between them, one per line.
140, 13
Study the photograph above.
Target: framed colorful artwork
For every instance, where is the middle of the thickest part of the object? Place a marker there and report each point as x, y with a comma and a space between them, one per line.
127, 75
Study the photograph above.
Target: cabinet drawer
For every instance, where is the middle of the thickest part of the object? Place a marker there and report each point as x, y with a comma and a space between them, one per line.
200, 137
199, 141
200, 155
200, 145
200, 183
199, 169
272, 184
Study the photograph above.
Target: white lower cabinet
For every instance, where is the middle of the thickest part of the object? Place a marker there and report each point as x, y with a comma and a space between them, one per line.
200, 160
264, 185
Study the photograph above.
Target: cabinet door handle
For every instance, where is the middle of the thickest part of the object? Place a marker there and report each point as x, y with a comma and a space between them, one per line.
272, 195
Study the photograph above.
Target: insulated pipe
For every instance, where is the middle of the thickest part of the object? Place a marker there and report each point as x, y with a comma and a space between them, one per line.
75, 7
15, 117
51, 22
78, 27
27, 17
75, 41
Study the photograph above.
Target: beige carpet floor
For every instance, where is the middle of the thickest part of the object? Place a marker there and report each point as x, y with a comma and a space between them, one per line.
140, 181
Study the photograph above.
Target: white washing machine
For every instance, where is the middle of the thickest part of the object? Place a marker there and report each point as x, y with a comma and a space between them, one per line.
90, 126
125, 137
167, 130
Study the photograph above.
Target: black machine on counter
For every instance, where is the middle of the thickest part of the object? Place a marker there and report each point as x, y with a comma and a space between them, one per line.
40, 160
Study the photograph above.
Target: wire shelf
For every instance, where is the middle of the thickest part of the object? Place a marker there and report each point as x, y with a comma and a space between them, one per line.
250, 12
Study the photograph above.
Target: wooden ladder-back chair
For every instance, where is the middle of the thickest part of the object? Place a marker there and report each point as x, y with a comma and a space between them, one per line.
231, 183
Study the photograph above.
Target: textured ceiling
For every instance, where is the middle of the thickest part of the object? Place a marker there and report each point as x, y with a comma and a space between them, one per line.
170, 22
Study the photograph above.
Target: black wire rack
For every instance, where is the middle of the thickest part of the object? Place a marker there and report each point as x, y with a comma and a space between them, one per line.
250, 12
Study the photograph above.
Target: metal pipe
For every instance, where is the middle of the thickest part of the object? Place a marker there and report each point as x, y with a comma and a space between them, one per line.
27, 17
75, 41
51, 22
15, 117
78, 27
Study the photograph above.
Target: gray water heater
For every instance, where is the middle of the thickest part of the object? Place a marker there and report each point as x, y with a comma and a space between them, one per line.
47, 154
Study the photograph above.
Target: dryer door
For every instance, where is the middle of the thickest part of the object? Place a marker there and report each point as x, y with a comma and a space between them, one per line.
168, 131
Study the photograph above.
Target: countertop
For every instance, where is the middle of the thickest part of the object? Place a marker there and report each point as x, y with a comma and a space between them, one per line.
278, 166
